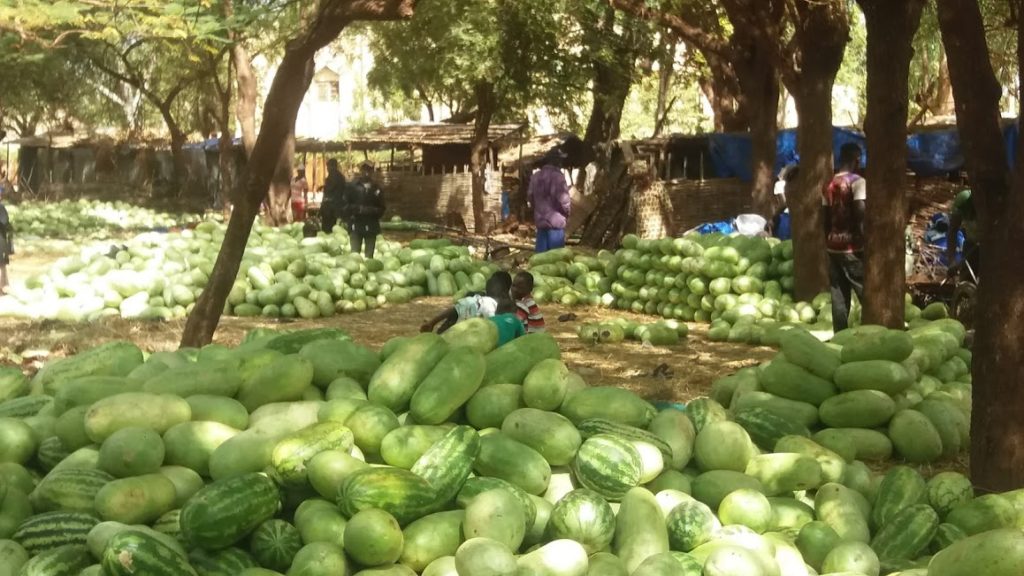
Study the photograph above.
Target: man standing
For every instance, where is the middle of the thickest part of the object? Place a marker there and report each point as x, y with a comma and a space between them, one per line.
363, 207
650, 208
964, 217
334, 196
781, 228
549, 197
843, 200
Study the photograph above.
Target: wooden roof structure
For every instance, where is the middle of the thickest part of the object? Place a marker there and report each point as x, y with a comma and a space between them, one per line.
419, 135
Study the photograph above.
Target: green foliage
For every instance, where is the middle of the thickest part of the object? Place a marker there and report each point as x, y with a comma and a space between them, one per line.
450, 46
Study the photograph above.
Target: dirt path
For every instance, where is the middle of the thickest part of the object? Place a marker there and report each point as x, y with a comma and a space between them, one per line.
693, 364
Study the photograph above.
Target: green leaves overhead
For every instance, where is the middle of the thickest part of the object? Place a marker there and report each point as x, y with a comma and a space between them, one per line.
451, 45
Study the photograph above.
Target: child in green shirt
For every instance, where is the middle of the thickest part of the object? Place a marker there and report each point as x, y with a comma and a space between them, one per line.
509, 325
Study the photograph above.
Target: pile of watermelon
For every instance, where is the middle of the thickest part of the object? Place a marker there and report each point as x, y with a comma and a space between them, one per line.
307, 454
85, 219
158, 276
725, 280
867, 394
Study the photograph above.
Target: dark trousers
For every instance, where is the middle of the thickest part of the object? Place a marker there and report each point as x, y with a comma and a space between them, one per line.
846, 275
363, 237
328, 217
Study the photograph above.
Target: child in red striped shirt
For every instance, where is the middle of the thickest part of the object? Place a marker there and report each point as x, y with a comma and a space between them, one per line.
526, 308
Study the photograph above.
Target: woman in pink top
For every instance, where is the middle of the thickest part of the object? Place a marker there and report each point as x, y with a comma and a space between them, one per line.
299, 190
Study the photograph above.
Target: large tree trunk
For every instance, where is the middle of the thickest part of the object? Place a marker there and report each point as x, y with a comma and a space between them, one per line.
286, 93
245, 109
891, 27
612, 82
225, 146
666, 70
997, 422
226, 157
613, 78
180, 181
278, 199
479, 158
759, 80
822, 31
608, 220
814, 143
722, 89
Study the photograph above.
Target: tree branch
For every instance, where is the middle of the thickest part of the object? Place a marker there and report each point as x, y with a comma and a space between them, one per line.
682, 28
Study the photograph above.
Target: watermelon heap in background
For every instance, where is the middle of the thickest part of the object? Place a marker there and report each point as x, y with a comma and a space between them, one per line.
741, 285
160, 276
85, 219
253, 461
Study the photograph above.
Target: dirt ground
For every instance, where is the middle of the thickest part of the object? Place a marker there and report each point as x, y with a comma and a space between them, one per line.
693, 364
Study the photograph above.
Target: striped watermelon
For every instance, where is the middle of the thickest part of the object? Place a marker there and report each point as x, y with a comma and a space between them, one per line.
170, 524
906, 534
766, 427
134, 552
947, 490
51, 530
584, 516
901, 488
608, 465
225, 511
226, 562
593, 426
945, 536
274, 544
399, 492
71, 489
64, 561
50, 452
447, 464
703, 411
25, 406
690, 524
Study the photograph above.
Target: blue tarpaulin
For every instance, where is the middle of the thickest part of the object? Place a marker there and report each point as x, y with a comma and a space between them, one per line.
931, 153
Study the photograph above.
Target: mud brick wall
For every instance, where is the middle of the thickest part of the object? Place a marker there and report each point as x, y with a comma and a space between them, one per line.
431, 197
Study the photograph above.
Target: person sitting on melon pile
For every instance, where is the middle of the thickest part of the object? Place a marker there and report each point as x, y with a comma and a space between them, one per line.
507, 320
473, 305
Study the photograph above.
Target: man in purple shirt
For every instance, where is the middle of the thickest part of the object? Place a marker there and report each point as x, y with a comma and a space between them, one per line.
549, 197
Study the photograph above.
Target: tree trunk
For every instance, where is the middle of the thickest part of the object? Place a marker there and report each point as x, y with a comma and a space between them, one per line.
245, 109
610, 90
225, 147
722, 89
891, 28
814, 143
480, 152
612, 81
666, 69
997, 422
290, 84
822, 31
606, 223
759, 81
180, 174
279, 196
943, 103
